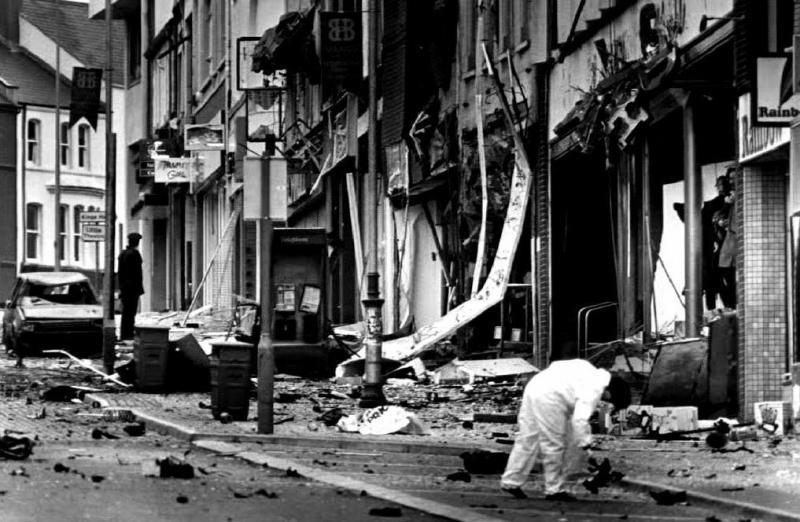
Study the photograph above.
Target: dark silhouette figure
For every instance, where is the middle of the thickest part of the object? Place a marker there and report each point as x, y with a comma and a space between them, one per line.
712, 241
129, 274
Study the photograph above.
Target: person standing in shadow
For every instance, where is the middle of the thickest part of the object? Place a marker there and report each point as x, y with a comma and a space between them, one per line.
129, 273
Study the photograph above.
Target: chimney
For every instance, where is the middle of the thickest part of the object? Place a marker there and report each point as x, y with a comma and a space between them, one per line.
9, 22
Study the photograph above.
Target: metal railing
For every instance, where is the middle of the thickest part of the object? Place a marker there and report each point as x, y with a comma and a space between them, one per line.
584, 314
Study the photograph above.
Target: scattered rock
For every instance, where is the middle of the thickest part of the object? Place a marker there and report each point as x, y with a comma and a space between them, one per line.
135, 430
97, 478
264, 493
679, 473
99, 433
60, 468
603, 475
386, 512
668, 498
182, 499
716, 440
41, 414
482, 462
19, 472
169, 467
291, 472
740, 467
459, 476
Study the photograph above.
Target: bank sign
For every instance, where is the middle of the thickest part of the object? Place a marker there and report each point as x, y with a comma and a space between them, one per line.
772, 74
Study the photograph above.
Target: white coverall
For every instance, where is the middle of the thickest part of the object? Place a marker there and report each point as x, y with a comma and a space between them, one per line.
554, 421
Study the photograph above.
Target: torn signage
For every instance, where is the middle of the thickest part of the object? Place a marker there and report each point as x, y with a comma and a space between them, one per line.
494, 288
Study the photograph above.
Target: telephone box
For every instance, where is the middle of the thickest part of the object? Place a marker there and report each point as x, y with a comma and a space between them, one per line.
298, 296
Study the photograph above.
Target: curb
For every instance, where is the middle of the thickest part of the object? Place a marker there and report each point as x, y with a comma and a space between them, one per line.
209, 440
708, 500
183, 433
424, 505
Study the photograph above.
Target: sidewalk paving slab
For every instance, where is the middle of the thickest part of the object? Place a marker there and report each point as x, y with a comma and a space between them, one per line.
432, 507
758, 506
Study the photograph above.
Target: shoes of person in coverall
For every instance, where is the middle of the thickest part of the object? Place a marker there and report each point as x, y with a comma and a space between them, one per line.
554, 422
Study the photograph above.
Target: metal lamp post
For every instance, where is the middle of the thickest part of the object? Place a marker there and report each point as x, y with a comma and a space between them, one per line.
372, 394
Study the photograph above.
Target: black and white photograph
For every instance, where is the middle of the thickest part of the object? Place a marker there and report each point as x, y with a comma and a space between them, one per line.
471, 260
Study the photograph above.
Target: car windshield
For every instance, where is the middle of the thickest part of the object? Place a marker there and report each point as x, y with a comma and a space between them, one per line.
72, 293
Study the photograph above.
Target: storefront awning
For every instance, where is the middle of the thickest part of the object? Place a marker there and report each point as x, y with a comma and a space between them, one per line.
288, 45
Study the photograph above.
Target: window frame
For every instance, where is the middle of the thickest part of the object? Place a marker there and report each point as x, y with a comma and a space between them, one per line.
63, 232
470, 19
36, 233
77, 244
35, 141
84, 149
65, 154
134, 29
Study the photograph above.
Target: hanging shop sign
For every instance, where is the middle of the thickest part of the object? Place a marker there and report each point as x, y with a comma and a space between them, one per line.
147, 152
756, 141
85, 95
340, 49
174, 170
246, 78
342, 134
773, 78
204, 136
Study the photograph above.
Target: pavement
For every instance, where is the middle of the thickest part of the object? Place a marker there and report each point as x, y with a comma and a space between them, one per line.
761, 485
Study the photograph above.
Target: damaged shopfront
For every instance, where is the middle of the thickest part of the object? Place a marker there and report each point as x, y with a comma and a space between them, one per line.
669, 204
642, 174
458, 196
431, 216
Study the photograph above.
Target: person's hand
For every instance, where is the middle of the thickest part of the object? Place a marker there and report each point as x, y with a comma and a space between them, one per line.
591, 447
587, 450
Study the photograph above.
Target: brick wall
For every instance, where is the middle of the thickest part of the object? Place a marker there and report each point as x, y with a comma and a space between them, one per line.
761, 284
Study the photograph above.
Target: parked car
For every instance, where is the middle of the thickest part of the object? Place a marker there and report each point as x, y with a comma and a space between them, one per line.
53, 310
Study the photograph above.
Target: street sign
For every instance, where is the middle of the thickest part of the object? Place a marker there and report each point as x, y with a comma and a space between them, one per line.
93, 226
92, 217
93, 232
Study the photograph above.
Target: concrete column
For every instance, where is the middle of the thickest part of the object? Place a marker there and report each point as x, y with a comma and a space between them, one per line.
693, 197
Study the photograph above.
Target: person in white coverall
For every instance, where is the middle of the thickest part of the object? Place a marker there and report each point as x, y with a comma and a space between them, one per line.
554, 421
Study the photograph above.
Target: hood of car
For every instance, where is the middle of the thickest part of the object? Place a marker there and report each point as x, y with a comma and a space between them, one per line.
59, 311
